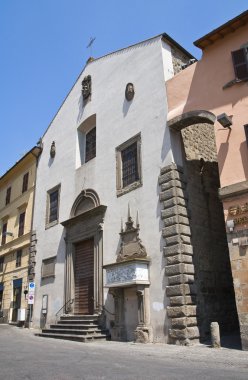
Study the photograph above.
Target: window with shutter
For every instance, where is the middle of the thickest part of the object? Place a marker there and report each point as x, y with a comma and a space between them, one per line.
25, 183
1, 263
90, 145
8, 195
4, 230
48, 267
240, 63
52, 214
21, 224
18, 258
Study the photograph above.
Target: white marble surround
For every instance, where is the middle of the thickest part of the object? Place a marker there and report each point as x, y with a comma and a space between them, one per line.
127, 273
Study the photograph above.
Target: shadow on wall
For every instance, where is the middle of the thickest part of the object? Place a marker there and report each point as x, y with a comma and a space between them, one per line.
244, 157
223, 151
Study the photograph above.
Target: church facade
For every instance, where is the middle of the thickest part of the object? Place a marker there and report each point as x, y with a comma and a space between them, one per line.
122, 204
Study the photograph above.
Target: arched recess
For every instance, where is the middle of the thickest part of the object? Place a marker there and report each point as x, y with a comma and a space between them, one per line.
196, 251
190, 118
86, 200
84, 232
85, 127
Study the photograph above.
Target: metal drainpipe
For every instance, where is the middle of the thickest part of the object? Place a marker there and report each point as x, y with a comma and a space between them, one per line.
32, 222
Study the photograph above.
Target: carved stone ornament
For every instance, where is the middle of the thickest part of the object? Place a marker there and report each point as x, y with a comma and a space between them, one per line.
129, 93
52, 150
131, 245
86, 87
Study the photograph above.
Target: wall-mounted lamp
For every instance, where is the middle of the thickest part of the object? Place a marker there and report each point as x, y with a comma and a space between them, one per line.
224, 120
230, 225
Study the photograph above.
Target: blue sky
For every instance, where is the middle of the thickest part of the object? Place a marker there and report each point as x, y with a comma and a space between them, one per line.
43, 49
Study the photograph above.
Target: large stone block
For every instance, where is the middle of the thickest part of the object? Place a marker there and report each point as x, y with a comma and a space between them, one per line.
180, 290
173, 183
180, 258
175, 210
181, 311
171, 167
181, 279
174, 201
178, 248
172, 270
177, 239
187, 333
182, 300
178, 219
183, 322
173, 193
176, 229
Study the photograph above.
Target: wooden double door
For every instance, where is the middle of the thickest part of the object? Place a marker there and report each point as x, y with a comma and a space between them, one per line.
84, 277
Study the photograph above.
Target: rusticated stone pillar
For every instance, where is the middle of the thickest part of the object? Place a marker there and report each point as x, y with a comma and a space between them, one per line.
178, 252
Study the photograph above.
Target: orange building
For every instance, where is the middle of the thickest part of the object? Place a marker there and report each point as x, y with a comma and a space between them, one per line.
218, 84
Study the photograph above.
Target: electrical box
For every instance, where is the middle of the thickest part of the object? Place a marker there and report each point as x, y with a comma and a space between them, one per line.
21, 314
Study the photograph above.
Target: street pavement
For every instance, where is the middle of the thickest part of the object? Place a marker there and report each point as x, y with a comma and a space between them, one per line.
26, 356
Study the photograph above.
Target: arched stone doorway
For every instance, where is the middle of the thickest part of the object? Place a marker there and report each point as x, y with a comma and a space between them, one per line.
200, 286
84, 251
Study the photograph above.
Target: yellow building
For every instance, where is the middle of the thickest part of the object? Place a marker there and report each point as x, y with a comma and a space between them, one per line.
16, 207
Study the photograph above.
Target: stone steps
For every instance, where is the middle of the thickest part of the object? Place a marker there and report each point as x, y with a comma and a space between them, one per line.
78, 338
81, 328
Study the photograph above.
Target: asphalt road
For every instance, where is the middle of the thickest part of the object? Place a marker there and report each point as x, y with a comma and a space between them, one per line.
25, 356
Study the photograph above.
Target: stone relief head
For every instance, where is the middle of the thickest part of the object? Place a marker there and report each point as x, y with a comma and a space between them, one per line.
129, 93
86, 87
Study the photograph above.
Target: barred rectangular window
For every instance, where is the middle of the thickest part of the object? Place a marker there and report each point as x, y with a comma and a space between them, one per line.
4, 230
18, 258
53, 210
8, 195
90, 145
52, 207
21, 224
129, 165
25, 182
48, 267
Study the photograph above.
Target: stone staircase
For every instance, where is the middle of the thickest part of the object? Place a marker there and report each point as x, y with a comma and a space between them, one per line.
81, 328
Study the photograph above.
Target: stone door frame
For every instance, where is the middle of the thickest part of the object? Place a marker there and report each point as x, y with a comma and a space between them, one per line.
82, 227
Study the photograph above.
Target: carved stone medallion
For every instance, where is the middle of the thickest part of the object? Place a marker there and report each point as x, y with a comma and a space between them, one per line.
131, 245
129, 93
86, 87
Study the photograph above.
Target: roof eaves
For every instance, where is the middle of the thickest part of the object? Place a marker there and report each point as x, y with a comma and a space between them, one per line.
36, 150
220, 32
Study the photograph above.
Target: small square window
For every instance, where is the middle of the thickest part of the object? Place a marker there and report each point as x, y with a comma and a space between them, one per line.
53, 196
90, 145
48, 267
18, 258
21, 224
8, 195
128, 156
25, 182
